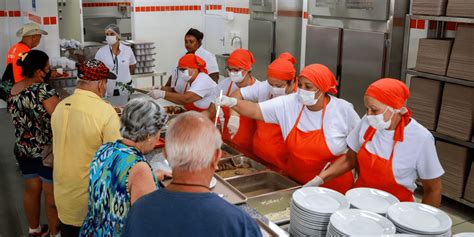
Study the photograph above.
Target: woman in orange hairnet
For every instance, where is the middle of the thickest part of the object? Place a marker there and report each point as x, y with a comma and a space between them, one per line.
195, 90
390, 149
238, 131
314, 124
268, 142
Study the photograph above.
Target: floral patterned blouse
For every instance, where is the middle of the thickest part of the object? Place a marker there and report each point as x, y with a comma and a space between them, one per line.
31, 120
109, 198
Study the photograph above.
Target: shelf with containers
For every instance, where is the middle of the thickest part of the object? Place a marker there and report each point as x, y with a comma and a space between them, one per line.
144, 53
442, 89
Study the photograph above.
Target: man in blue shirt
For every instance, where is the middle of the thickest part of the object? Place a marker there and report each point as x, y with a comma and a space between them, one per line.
187, 207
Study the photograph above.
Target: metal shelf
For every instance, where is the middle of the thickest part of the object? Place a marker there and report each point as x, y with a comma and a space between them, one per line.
443, 18
452, 139
441, 78
463, 201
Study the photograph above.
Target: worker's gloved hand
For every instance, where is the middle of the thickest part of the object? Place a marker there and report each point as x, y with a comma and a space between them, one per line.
226, 101
157, 94
316, 182
233, 125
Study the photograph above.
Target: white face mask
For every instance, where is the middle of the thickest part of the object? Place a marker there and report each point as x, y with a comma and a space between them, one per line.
184, 75
236, 77
378, 121
111, 39
278, 91
307, 97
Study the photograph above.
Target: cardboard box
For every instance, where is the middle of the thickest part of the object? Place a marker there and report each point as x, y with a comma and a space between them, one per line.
469, 190
455, 160
429, 7
460, 8
461, 63
456, 114
425, 101
433, 56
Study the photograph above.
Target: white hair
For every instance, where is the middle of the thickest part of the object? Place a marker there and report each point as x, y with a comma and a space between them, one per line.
191, 142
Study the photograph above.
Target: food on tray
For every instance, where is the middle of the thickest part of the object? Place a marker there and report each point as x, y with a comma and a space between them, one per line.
277, 216
174, 109
229, 169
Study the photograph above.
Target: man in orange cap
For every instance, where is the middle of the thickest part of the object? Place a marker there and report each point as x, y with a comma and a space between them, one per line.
238, 131
268, 142
195, 90
391, 149
314, 124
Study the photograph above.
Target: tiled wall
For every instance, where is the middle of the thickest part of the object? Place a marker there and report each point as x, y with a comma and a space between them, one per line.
93, 8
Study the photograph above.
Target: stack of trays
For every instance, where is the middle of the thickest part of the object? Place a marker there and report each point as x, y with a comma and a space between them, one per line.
370, 199
461, 64
455, 118
353, 222
469, 192
462, 8
425, 101
419, 219
311, 209
433, 56
454, 160
429, 7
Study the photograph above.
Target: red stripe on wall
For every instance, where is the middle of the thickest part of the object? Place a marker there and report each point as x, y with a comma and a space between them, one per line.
106, 4
413, 24
168, 8
305, 15
451, 26
420, 25
238, 10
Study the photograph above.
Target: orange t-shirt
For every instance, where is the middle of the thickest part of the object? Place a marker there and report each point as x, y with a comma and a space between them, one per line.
13, 56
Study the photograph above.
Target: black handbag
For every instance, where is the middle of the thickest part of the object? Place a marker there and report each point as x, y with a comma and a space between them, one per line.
6, 82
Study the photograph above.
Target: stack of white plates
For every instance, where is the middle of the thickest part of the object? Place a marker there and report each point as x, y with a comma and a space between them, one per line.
311, 209
359, 222
419, 219
370, 199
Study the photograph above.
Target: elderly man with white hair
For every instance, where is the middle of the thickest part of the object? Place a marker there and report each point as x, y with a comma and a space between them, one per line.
186, 207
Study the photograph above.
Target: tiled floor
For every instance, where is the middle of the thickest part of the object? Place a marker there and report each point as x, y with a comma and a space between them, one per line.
13, 221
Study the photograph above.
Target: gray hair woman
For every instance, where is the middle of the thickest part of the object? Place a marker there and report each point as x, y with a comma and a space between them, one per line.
119, 173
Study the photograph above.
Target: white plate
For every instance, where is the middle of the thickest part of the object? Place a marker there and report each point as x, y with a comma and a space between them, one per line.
213, 183
370, 199
360, 222
419, 218
320, 200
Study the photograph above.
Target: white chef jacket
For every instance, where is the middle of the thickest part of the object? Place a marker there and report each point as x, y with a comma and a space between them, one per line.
208, 57
203, 86
340, 119
413, 158
124, 60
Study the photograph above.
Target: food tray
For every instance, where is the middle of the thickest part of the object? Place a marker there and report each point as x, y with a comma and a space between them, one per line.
275, 206
262, 183
238, 166
224, 190
266, 230
228, 151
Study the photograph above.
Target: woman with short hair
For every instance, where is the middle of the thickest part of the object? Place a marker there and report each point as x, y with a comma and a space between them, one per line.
119, 173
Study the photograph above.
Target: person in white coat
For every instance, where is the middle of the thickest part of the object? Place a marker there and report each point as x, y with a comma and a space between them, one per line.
120, 60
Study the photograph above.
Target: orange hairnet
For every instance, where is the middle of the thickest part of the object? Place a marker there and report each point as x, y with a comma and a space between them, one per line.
393, 93
193, 61
321, 77
241, 58
283, 67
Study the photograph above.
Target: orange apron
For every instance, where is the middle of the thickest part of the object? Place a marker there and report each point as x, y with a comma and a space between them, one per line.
191, 106
309, 153
242, 141
269, 145
377, 172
